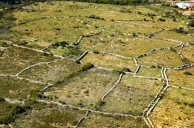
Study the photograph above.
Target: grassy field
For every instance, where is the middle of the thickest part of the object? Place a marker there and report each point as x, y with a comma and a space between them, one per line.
175, 109
163, 58
15, 88
126, 78
13, 60
96, 121
50, 116
86, 89
110, 61
185, 78
53, 72
132, 95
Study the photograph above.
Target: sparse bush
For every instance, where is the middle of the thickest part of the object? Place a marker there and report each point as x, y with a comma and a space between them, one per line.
80, 103
116, 71
95, 17
99, 104
172, 49
96, 52
180, 30
86, 67
134, 34
126, 70
191, 23
2, 99
161, 19
35, 94
187, 73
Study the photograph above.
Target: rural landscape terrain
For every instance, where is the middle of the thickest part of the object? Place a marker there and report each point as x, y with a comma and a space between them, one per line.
87, 65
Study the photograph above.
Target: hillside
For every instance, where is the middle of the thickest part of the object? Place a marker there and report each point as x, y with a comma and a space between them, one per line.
87, 65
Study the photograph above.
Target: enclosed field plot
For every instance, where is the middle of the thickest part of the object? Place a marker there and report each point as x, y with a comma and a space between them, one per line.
119, 15
15, 59
188, 53
52, 72
122, 44
70, 52
54, 29
181, 78
131, 95
128, 27
175, 109
149, 72
173, 35
96, 121
86, 89
157, 24
110, 61
15, 88
162, 58
50, 116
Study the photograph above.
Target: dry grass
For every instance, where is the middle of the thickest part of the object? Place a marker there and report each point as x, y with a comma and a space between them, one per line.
152, 72
49, 116
123, 45
85, 89
52, 72
163, 58
175, 36
15, 88
110, 61
16, 59
180, 78
132, 95
96, 121
175, 109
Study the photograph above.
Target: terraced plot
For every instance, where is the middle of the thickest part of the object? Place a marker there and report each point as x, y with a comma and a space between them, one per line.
174, 101
43, 115
86, 89
52, 72
162, 58
14, 60
123, 44
96, 121
131, 95
110, 61
16, 88
185, 78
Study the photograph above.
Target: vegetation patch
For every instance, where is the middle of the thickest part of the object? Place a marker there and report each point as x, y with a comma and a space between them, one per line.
84, 89
110, 61
122, 44
185, 78
162, 58
96, 121
16, 88
53, 72
175, 109
175, 36
49, 116
132, 95
16, 59
150, 72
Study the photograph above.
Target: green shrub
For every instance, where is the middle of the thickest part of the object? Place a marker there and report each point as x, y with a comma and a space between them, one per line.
187, 73
86, 67
2, 99
80, 103
116, 71
36, 94
191, 23
99, 104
